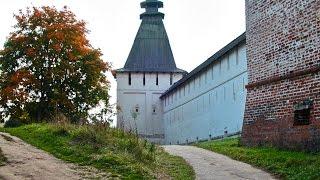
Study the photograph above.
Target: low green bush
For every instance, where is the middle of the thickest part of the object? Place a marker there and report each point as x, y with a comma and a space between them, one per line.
12, 123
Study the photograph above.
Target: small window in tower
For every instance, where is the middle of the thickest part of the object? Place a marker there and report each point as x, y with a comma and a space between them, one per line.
212, 72
171, 79
154, 109
137, 109
228, 61
144, 79
205, 76
302, 113
237, 56
129, 79
157, 79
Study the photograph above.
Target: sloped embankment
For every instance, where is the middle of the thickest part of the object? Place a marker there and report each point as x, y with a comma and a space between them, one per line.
119, 154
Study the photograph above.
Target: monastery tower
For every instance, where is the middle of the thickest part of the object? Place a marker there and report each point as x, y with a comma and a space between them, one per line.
149, 71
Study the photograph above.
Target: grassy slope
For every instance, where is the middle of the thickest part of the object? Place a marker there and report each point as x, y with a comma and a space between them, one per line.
108, 149
285, 164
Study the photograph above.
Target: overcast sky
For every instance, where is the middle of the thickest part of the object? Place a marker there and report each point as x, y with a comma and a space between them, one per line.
196, 28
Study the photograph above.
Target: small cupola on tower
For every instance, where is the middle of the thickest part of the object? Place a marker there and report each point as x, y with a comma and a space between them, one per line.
152, 9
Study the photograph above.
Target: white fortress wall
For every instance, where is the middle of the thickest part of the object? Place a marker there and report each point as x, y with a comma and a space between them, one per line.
211, 103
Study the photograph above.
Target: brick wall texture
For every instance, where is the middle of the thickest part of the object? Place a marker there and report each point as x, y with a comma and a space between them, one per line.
283, 50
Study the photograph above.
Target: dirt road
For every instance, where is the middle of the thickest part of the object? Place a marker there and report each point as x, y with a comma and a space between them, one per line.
28, 162
212, 166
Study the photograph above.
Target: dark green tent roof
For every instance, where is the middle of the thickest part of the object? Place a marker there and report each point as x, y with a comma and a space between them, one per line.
151, 51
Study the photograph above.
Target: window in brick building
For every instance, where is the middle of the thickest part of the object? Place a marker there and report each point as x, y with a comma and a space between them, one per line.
302, 113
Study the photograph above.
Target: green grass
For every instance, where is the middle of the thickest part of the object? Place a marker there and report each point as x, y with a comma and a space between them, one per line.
3, 159
282, 163
107, 149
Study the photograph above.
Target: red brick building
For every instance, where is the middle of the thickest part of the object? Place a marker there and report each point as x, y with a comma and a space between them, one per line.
283, 50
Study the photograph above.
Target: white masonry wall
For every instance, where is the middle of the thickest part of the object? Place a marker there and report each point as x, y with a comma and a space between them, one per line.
143, 102
211, 104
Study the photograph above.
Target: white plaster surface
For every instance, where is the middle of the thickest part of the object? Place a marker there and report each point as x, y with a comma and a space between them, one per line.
146, 99
212, 103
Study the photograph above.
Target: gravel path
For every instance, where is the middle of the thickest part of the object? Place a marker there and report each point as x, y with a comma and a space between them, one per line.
209, 165
27, 162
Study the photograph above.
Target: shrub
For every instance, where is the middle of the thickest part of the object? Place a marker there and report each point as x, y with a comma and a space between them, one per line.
12, 123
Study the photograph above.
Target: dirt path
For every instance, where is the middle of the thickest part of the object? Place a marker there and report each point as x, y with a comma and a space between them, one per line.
209, 165
27, 162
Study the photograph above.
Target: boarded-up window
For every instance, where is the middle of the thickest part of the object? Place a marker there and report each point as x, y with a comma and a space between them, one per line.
302, 113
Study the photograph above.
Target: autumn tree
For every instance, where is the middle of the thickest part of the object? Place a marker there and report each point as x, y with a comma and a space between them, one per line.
48, 67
